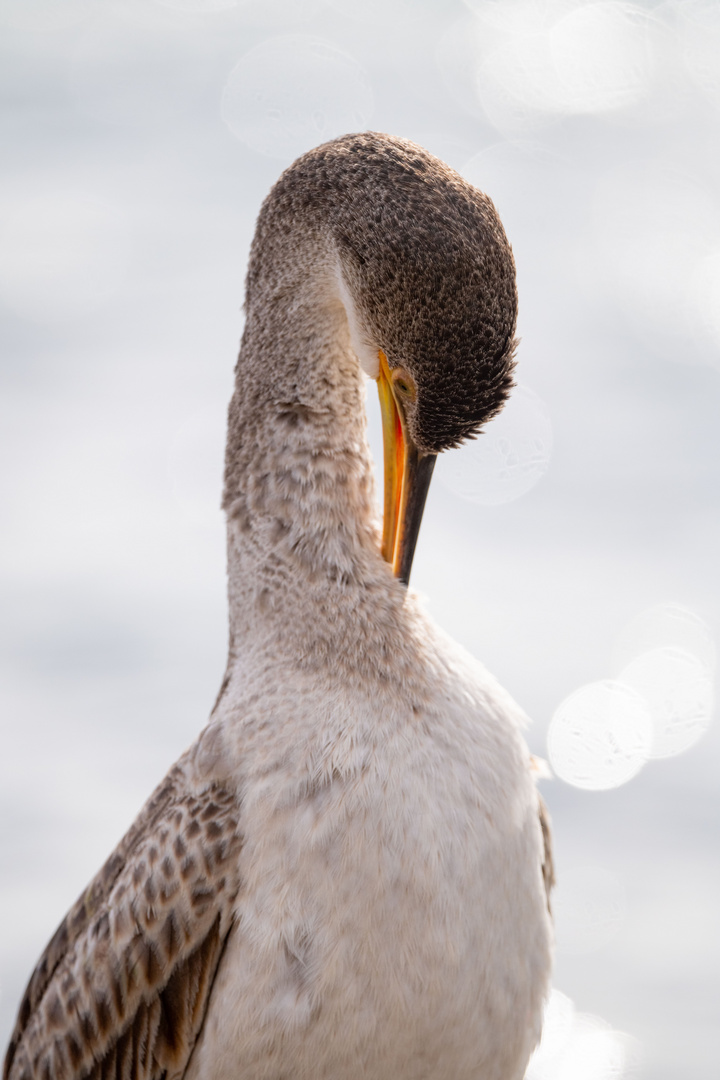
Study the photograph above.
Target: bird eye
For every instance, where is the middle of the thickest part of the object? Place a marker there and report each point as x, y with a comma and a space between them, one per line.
404, 384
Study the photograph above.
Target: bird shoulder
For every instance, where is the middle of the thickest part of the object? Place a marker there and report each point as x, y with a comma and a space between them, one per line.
122, 988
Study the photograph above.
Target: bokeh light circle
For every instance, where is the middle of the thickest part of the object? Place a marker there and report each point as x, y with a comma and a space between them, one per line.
558, 1020
603, 57
665, 625
679, 691
579, 1046
290, 93
600, 736
539, 61
508, 458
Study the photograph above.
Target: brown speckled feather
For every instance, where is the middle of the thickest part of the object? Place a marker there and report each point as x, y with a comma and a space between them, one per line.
548, 867
122, 988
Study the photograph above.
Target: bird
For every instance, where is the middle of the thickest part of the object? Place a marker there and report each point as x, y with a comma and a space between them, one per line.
348, 873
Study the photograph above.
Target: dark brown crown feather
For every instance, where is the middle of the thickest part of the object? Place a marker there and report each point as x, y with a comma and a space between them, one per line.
429, 267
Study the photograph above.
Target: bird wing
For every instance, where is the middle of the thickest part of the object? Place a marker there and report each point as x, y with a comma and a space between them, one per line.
548, 867
122, 989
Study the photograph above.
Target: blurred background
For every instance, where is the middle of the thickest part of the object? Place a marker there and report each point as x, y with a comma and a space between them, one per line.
573, 547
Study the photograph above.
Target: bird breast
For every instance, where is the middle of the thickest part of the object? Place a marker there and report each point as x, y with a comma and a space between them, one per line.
392, 918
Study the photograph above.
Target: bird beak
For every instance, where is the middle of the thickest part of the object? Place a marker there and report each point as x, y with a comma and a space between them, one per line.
408, 472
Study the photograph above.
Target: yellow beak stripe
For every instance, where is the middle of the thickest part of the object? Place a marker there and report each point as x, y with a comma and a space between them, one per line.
407, 479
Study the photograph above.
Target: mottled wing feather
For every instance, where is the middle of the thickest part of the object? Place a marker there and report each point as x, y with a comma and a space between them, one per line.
122, 988
548, 868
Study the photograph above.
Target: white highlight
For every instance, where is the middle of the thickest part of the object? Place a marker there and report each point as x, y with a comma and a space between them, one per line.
660, 704
667, 654
600, 736
560, 58
602, 55
578, 1046
679, 691
290, 93
507, 459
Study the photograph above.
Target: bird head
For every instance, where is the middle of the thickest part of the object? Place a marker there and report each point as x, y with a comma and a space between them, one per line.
430, 279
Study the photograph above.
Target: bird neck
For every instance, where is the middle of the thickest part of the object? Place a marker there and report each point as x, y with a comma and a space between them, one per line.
299, 486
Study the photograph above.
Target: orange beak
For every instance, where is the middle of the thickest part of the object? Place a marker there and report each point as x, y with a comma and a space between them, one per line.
408, 472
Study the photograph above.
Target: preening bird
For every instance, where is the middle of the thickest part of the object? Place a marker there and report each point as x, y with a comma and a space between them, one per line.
346, 875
